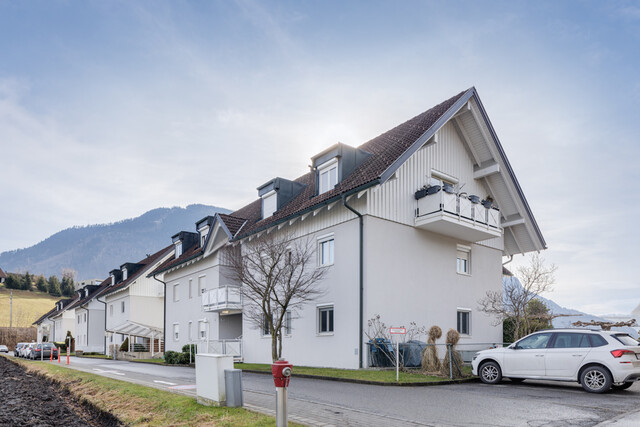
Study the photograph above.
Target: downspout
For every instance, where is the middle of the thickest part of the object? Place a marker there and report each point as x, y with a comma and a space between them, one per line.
361, 278
105, 324
164, 307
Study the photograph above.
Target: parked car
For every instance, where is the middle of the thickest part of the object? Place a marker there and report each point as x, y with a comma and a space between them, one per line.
4, 349
16, 350
26, 350
43, 351
598, 360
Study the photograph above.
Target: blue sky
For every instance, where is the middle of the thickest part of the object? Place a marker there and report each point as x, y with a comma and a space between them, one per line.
109, 109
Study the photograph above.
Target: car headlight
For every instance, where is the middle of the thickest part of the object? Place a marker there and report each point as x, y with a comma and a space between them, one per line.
475, 356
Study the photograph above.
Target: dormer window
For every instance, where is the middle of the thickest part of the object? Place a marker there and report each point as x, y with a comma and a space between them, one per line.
124, 273
269, 204
328, 174
178, 249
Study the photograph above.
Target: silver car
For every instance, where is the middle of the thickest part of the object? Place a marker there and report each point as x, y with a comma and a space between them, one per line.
4, 349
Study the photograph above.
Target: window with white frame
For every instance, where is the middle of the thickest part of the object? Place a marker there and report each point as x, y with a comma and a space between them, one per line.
202, 285
125, 273
202, 327
122, 306
325, 319
325, 250
176, 296
328, 176
190, 336
190, 288
269, 204
79, 319
111, 310
178, 249
463, 259
176, 332
85, 318
464, 321
287, 323
266, 331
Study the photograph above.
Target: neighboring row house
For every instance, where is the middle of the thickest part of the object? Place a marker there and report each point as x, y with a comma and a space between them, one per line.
412, 225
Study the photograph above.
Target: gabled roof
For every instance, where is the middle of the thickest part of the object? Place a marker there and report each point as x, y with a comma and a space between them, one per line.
388, 150
54, 311
104, 285
393, 148
3, 275
145, 265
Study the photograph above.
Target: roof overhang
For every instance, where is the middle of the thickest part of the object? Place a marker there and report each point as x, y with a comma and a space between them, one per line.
137, 329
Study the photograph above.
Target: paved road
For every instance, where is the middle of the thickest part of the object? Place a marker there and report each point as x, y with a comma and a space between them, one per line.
317, 402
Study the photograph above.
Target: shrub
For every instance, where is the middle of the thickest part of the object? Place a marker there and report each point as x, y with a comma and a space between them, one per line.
184, 359
185, 348
125, 345
172, 357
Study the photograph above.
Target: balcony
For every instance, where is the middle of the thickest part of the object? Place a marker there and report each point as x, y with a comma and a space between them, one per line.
225, 299
457, 216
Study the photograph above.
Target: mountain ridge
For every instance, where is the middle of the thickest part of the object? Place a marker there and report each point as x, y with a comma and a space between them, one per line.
94, 250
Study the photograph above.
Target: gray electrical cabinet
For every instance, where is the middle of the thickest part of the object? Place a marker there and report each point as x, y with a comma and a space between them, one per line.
233, 387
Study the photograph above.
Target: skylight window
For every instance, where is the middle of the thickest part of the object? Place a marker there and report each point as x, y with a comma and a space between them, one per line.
328, 175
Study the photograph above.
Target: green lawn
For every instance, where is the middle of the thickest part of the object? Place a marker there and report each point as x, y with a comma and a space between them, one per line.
382, 376
145, 406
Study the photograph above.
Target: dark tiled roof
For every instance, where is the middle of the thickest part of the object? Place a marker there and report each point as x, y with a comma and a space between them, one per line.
146, 263
104, 285
189, 253
44, 316
385, 150
233, 223
2, 274
65, 305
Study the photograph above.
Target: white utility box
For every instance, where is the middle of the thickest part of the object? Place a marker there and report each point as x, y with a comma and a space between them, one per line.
210, 386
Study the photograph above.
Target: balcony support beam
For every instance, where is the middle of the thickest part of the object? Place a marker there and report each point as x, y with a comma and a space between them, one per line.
486, 169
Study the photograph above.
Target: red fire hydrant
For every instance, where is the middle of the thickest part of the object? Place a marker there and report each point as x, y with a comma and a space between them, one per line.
281, 371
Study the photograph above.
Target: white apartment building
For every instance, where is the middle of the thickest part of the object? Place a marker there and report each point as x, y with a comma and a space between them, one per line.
412, 225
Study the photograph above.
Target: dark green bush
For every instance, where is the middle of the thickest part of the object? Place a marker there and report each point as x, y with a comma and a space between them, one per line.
185, 349
172, 357
184, 359
125, 345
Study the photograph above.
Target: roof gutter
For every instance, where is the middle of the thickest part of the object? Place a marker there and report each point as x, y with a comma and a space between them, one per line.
361, 280
335, 198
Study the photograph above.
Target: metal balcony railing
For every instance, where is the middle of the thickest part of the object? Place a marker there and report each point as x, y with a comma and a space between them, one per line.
222, 298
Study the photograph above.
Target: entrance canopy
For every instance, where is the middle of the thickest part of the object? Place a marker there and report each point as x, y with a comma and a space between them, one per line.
137, 329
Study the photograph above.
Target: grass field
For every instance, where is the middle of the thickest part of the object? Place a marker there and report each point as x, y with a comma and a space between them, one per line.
27, 306
137, 405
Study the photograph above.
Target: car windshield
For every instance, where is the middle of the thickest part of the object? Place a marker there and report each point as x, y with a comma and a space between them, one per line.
626, 340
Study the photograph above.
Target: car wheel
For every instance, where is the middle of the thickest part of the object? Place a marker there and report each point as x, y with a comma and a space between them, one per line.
490, 373
622, 386
595, 379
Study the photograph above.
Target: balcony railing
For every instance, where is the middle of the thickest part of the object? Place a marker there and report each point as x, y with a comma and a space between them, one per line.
457, 216
232, 347
224, 298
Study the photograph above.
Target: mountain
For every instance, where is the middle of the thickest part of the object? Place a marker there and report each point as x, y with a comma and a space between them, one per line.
95, 250
575, 315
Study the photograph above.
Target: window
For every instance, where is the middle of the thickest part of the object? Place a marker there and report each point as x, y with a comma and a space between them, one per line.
85, 318
597, 340
325, 319
190, 288
269, 204
536, 341
464, 322
176, 332
125, 274
176, 297
202, 326
265, 326
79, 319
202, 285
571, 340
111, 310
189, 330
287, 323
325, 250
328, 176
178, 249
463, 259
122, 306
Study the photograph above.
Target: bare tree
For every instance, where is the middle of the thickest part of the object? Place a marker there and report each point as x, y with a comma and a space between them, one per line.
513, 300
277, 275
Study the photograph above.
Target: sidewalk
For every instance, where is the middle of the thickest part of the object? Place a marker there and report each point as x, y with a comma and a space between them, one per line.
630, 419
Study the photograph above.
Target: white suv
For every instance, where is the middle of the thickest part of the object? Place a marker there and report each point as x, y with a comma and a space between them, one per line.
598, 360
